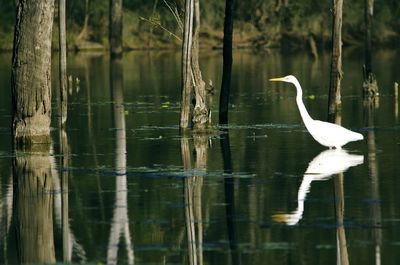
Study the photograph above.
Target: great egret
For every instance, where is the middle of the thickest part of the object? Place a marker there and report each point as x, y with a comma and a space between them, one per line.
325, 133
322, 167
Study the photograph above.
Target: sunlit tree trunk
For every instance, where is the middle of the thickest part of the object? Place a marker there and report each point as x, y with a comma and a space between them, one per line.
186, 64
31, 71
334, 101
200, 112
33, 205
115, 30
227, 64
62, 43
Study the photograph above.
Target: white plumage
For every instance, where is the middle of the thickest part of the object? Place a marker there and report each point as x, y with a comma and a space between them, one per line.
325, 133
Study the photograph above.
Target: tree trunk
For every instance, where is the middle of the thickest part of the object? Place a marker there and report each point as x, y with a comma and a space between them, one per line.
200, 112
115, 29
62, 42
186, 64
227, 64
85, 29
370, 85
31, 72
369, 5
33, 205
334, 100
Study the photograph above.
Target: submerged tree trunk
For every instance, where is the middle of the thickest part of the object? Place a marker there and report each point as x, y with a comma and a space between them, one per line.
31, 71
370, 85
200, 112
186, 64
334, 100
115, 30
227, 64
62, 43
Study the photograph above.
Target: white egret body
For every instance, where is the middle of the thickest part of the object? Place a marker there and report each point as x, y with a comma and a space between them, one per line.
325, 133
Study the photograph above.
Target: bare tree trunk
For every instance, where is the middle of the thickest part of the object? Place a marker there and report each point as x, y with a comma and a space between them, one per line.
186, 64
33, 205
200, 112
62, 43
370, 85
334, 100
31, 72
115, 29
227, 64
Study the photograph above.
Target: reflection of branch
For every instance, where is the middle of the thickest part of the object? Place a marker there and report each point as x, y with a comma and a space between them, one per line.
61, 203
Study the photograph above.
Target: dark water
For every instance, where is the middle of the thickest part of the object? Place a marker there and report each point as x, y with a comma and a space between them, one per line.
123, 186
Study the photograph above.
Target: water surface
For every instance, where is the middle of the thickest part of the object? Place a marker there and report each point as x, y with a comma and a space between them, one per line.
125, 187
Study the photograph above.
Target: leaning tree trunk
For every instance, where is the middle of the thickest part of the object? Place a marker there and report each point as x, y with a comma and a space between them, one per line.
115, 30
62, 43
186, 64
31, 71
334, 100
227, 64
200, 112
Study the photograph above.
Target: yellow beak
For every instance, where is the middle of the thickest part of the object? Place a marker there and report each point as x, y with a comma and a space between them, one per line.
277, 79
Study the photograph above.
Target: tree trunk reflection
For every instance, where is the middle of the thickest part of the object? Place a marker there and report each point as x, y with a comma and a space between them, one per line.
193, 196
120, 221
33, 205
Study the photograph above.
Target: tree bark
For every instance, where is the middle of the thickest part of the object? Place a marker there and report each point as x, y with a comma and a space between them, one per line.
369, 7
62, 43
31, 72
227, 64
200, 112
115, 30
370, 85
334, 100
186, 64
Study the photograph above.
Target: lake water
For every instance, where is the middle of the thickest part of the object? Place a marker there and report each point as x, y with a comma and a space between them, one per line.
123, 186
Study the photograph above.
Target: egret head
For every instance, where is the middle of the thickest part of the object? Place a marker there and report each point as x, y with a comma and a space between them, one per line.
288, 78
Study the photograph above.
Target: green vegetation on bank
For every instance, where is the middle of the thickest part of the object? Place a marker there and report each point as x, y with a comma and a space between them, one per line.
258, 23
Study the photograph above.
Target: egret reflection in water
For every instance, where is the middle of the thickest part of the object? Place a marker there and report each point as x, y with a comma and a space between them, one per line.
324, 165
